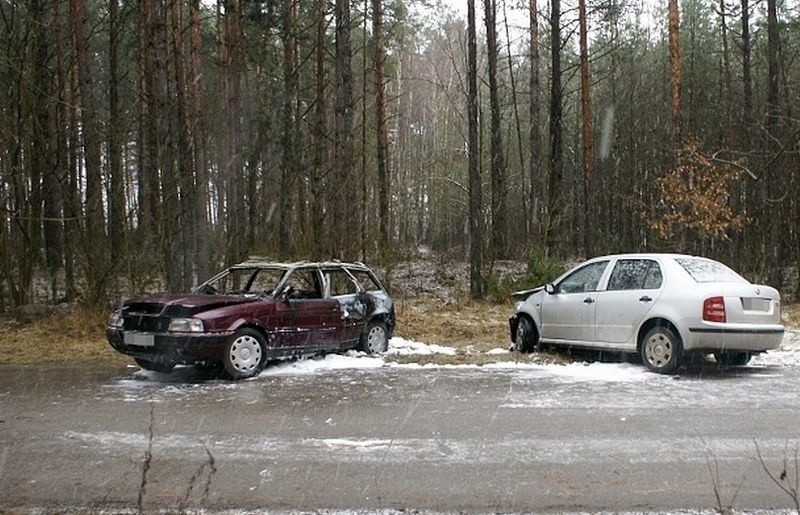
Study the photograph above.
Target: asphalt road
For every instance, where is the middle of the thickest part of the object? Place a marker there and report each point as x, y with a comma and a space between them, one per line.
607, 438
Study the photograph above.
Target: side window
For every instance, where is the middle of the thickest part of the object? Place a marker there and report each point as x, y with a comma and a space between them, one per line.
635, 274
584, 279
265, 281
340, 283
234, 282
365, 280
303, 284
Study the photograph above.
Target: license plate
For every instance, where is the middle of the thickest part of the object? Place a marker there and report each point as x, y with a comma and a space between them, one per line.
140, 339
755, 304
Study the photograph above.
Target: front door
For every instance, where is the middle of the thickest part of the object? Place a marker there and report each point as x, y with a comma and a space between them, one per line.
568, 314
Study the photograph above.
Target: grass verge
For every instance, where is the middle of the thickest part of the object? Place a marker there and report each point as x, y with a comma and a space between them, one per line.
76, 337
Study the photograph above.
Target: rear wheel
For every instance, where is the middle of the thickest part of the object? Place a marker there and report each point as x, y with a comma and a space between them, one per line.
732, 359
525, 340
162, 367
245, 354
661, 350
375, 338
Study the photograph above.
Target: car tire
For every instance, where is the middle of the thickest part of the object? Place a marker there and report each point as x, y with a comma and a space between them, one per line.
245, 354
661, 350
732, 359
375, 338
162, 367
525, 339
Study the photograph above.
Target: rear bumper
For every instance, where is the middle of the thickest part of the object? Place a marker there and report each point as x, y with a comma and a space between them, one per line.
172, 347
738, 337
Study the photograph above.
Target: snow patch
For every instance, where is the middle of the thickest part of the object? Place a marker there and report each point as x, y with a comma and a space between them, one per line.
401, 346
788, 354
496, 351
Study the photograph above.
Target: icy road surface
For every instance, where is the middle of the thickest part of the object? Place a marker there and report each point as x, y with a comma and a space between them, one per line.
349, 432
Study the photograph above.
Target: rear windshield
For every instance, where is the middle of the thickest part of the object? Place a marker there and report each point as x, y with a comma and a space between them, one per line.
707, 271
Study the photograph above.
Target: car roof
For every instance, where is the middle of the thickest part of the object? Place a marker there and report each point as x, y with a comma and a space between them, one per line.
643, 255
257, 263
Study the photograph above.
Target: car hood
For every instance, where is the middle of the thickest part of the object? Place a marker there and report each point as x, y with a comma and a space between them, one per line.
182, 305
524, 294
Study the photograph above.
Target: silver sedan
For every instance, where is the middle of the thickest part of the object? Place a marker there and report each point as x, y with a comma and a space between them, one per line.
660, 306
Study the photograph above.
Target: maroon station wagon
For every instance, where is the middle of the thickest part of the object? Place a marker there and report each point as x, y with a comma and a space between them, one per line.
256, 311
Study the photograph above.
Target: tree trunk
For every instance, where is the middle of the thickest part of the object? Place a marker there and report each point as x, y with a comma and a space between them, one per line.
747, 80
774, 184
675, 71
345, 209
95, 238
586, 132
231, 155
498, 168
321, 237
475, 214
382, 135
726, 71
116, 197
201, 229
534, 165
289, 158
554, 199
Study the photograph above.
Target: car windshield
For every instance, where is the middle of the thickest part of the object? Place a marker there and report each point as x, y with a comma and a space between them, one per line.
707, 271
244, 281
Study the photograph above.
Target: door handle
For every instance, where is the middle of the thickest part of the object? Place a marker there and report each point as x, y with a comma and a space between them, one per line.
645, 298
588, 300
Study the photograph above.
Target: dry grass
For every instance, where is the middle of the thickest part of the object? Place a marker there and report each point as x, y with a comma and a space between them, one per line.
791, 316
477, 325
77, 337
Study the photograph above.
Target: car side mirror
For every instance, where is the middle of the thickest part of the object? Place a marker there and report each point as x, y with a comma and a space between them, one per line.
549, 288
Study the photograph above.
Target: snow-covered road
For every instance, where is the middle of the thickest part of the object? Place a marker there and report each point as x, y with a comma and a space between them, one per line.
353, 432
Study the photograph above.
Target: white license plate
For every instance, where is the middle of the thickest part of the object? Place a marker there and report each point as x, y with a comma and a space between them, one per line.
143, 340
755, 304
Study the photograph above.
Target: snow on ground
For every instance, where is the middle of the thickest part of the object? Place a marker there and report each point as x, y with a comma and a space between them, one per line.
787, 355
401, 346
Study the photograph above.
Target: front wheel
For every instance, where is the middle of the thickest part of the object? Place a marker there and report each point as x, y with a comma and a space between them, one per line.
661, 350
244, 354
525, 339
375, 338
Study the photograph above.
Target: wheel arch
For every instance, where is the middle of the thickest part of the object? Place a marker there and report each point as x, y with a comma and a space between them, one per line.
656, 321
249, 324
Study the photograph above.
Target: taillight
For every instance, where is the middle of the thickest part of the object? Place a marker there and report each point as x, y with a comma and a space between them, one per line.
714, 309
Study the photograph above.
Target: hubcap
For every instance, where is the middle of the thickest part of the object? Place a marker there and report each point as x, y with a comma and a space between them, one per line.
376, 339
658, 350
245, 353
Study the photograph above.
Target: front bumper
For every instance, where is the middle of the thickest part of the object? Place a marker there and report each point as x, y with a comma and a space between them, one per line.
183, 348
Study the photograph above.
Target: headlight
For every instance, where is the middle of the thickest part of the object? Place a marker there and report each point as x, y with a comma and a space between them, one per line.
519, 305
116, 320
186, 325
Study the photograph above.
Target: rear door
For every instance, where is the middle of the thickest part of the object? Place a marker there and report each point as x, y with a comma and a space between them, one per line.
343, 288
633, 288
